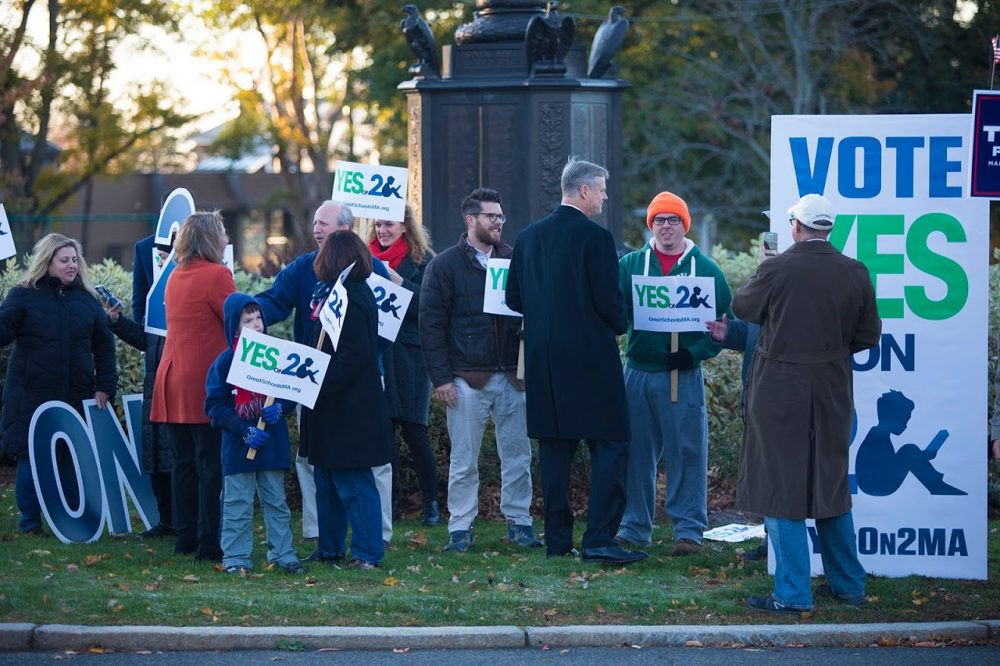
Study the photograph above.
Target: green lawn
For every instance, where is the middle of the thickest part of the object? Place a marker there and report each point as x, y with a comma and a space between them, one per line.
127, 581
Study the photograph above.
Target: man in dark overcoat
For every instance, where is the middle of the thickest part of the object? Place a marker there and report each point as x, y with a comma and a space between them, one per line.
564, 279
815, 308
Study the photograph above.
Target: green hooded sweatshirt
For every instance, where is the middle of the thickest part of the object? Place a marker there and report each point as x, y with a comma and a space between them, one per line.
647, 350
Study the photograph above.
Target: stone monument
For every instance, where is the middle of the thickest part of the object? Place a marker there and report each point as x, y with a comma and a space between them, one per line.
503, 107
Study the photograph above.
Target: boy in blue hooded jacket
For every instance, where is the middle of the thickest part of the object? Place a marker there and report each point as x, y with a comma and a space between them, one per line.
236, 411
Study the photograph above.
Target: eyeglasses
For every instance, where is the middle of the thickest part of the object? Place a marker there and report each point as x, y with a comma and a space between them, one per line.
673, 221
495, 217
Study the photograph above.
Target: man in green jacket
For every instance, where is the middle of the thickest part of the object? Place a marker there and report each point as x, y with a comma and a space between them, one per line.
673, 429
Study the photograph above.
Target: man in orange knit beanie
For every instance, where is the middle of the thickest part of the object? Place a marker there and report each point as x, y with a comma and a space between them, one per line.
662, 428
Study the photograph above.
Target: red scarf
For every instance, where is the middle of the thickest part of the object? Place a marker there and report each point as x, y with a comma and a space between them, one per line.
394, 254
248, 403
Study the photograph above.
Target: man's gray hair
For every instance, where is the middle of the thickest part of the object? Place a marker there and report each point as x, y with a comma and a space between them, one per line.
579, 172
345, 217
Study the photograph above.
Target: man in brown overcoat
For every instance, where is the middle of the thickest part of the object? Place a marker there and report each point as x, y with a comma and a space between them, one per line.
815, 308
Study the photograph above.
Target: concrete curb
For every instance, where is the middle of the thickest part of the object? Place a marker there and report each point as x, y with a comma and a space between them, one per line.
16, 636
834, 635
63, 636
24, 637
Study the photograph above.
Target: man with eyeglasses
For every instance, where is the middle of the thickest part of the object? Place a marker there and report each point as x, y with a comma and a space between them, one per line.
816, 308
563, 278
675, 431
471, 357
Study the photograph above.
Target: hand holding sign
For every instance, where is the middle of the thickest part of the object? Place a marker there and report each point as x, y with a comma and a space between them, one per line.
279, 368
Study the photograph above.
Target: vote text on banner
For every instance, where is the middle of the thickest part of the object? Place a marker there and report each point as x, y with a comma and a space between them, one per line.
899, 187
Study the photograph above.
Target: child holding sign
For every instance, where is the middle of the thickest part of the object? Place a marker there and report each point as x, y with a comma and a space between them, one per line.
235, 411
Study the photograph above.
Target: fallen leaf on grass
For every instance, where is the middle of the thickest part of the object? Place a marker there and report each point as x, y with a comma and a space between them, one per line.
153, 587
190, 578
91, 560
123, 587
40, 552
424, 589
550, 613
413, 568
390, 581
712, 582
207, 611
454, 578
418, 539
72, 567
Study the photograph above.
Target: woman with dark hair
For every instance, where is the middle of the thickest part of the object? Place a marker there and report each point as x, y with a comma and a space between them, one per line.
63, 350
194, 299
405, 250
348, 430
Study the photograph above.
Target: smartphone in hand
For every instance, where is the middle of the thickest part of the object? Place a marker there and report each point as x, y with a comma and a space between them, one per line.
110, 299
769, 240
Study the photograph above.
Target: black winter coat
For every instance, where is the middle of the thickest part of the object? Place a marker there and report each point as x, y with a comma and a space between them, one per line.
564, 279
63, 350
457, 335
157, 453
349, 426
406, 383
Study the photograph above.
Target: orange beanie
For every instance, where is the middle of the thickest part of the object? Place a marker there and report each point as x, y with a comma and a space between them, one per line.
667, 202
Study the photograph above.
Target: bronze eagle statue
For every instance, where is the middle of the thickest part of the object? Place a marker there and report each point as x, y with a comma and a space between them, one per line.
421, 40
607, 41
547, 40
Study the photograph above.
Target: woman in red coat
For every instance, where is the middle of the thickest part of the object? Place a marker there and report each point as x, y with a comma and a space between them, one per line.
195, 337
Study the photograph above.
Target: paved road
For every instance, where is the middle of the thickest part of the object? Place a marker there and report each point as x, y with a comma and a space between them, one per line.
966, 656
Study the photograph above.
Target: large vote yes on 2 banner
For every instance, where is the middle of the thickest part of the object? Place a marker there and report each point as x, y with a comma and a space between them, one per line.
673, 304
900, 188
279, 368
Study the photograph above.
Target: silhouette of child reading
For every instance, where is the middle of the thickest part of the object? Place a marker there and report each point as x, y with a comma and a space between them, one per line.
697, 300
880, 469
387, 305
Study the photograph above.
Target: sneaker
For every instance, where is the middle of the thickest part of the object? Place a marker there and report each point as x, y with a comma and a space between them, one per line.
826, 591
769, 604
522, 535
357, 563
294, 568
460, 541
432, 514
685, 547
237, 570
35, 531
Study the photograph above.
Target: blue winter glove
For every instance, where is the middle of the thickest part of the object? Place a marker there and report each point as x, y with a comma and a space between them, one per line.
272, 414
255, 438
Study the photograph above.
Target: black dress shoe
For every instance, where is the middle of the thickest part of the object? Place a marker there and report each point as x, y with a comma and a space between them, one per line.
320, 557
157, 531
613, 555
572, 552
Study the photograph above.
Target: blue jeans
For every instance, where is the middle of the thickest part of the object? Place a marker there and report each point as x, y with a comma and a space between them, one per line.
838, 549
236, 537
27, 498
349, 496
677, 434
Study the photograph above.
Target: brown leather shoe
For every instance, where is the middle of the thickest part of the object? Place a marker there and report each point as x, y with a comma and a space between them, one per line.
683, 547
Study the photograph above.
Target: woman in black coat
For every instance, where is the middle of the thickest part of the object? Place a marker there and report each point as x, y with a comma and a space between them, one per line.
63, 350
348, 430
403, 247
